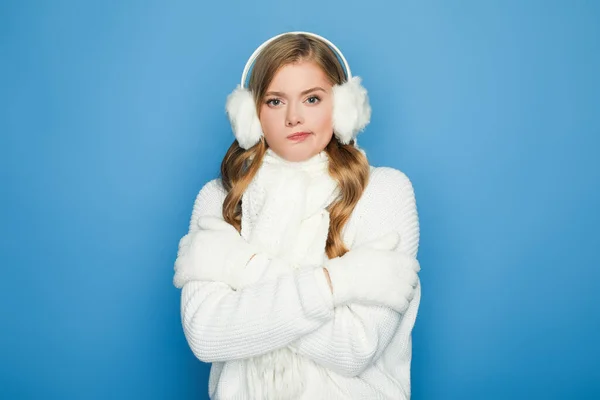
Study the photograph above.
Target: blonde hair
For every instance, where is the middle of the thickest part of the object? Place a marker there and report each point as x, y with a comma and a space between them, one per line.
348, 166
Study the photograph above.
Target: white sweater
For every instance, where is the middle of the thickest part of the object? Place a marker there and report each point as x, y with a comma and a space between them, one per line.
348, 352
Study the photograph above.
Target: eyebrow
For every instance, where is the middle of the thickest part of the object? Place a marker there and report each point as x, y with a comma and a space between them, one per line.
281, 94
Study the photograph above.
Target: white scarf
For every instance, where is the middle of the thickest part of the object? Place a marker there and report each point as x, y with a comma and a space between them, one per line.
283, 213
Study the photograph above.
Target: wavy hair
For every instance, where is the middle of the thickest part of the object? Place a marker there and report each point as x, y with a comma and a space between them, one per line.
348, 166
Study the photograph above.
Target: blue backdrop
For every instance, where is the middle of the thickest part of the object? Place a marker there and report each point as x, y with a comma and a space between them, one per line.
112, 118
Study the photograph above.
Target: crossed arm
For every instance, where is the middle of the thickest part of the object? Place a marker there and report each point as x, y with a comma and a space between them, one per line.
222, 324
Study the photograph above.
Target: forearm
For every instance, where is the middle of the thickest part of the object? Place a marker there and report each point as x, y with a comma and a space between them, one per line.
352, 339
222, 324
356, 336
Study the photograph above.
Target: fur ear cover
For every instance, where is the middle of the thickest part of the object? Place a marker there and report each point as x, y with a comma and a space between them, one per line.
243, 117
351, 109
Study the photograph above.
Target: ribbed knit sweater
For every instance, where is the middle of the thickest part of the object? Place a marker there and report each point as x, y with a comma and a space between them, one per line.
354, 351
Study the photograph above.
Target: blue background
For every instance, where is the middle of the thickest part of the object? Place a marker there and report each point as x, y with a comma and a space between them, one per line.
112, 118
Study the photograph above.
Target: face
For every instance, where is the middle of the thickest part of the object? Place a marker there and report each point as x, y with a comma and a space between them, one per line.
296, 112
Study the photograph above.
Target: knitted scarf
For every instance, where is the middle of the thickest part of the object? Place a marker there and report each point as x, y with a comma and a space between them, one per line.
283, 213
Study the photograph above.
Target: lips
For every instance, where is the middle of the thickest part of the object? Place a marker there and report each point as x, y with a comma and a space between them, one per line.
298, 135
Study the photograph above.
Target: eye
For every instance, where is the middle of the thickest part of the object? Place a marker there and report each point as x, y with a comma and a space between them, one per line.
273, 102
313, 99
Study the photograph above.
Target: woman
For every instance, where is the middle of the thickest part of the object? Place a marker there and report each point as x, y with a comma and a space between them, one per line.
299, 271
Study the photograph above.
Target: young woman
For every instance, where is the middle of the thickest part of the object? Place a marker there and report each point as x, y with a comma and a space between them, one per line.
299, 271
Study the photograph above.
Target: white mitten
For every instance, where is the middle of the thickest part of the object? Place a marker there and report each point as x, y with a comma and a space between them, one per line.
375, 274
216, 252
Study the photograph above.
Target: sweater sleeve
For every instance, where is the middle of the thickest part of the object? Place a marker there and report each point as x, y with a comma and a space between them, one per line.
223, 324
358, 334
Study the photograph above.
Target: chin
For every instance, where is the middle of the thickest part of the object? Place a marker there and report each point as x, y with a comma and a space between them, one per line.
296, 152
302, 153
295, 155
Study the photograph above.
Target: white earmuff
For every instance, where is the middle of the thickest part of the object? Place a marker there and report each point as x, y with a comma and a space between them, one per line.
351, 109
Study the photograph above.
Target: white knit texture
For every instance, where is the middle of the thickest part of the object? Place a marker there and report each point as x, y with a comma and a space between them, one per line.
350, 352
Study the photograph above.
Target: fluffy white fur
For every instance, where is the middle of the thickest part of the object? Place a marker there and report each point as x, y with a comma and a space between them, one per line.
241, 111
351, 113
351, 110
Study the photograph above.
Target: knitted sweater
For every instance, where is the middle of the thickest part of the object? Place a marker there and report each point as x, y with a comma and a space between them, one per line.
353, 351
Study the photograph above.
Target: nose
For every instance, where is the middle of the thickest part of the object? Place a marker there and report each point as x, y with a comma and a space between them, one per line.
293, 115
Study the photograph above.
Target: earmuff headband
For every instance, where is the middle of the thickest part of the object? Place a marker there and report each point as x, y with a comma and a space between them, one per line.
254, 55
351, 109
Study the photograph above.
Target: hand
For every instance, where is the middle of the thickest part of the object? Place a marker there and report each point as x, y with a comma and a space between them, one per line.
375, 273
215, 252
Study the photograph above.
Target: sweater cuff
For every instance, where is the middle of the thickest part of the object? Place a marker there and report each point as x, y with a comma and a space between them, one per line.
237, 260
254, 270
323, 286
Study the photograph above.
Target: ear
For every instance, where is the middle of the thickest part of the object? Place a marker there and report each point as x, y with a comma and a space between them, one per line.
351, 109
241, 111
